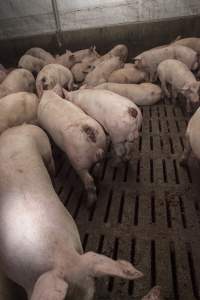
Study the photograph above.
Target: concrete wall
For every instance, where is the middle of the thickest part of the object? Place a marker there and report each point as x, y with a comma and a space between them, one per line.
102, 22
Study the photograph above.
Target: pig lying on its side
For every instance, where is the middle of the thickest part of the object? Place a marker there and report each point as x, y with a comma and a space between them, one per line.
78, 135
192, 138
31, 63
102, 71
149, 60
42, 54
17, 81
181, 80
40, 244
120, 51
51, 75
17, 109
140, 94
128, 75
120, 117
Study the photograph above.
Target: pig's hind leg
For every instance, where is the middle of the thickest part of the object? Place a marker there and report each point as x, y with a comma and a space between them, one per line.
186, 153
90, 187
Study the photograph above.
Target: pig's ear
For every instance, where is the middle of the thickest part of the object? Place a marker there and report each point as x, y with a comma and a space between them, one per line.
138, 62
49, 287
154, 294
99, 265
39, 88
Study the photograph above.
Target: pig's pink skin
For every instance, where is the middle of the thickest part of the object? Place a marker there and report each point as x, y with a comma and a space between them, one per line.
192, 141
149, 60
42, 54
99, 104
191, 42
77, 134
80, 70
141, 94
181, 80
102, 71
18, 108
128, 75
17, 80
120, 51
51, 75
31, 63
40, 244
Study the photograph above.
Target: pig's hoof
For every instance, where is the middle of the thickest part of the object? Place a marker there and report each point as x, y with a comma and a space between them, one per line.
183, 162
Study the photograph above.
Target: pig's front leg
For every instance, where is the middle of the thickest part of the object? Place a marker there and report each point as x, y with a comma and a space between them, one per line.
90, 187
186, 153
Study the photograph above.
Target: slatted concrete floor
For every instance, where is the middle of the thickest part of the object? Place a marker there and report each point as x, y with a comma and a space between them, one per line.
148, 212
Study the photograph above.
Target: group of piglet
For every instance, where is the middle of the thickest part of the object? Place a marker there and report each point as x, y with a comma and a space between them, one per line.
84, 101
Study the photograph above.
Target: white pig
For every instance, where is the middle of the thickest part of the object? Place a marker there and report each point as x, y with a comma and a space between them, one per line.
128, 75
149, 60
102, 71
120, 51
119, 116
42, 54
18, 108
51, 75
31, 63
140, 94
78, 135
181, 80
40, 244
191, 42
17, 80
192, 138
86, 54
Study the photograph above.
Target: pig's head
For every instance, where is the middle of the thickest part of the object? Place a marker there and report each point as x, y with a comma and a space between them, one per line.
120, 51
77, 280
44, 83
67, 60
139, 63
154, 294
191, 91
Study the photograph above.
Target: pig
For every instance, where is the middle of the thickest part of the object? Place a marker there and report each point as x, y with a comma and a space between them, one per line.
40, 243
51, 75
86, 54
154, 294
18, 108
2, 75
102, 71
120, 117
67, 59
192, 140
181, 80
78, 135
42, 54
17, 80
128, 75
120, 51
140, 94
191, 42
149, 60
31, 63
80, 70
